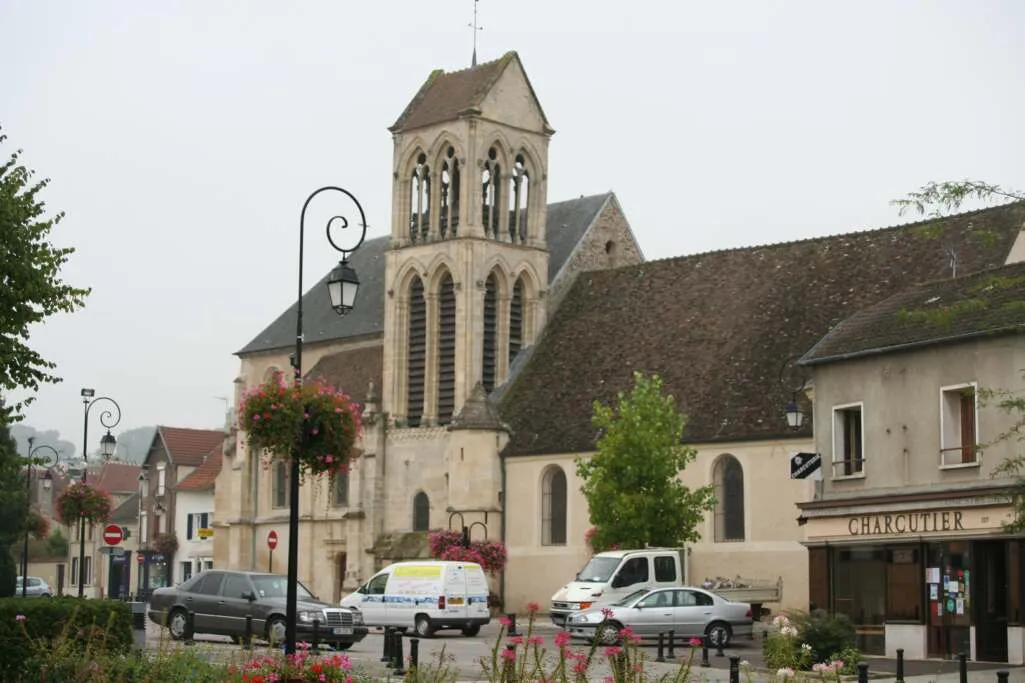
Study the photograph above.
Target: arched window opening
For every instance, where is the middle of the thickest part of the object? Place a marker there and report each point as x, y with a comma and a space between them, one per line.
416, 353
553, 507
491, 193
518, 198
420, 200
516, 321
490, 355
449, 219
446, 350
421, 512
729, 495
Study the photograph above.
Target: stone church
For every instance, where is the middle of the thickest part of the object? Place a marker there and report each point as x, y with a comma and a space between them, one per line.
489, 320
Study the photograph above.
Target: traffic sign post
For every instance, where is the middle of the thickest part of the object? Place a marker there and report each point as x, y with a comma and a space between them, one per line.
272, 543
113, 534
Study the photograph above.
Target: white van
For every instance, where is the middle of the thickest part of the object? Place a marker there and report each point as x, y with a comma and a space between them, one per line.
426, 596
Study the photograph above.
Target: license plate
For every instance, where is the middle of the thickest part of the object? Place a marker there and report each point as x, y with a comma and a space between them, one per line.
342, 631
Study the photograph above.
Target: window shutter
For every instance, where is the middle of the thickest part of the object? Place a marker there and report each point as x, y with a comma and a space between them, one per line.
188, 532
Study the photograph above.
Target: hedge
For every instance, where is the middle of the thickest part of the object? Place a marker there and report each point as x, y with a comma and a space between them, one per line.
59, 630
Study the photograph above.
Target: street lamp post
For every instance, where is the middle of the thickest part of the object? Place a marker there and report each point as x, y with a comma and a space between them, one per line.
46, 461
342, 285
107, 445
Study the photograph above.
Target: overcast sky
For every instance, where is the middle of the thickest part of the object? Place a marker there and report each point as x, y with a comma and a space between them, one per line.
182, 138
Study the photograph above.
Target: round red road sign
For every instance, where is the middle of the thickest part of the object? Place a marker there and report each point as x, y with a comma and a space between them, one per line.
272, 540
112, 534
140, 558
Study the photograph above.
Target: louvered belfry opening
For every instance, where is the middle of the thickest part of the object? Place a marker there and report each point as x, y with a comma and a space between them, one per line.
446, 350
449, 221
491, 194
489, 357
516, 321
417, 350
420, 201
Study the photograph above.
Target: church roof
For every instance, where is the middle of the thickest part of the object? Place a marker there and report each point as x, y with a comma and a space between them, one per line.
477, 412
719, 326
987, 303
447, 96
353, 371
566, 222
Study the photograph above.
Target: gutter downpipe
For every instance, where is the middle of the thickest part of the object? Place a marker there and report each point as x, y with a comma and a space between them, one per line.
255, 491
501, 579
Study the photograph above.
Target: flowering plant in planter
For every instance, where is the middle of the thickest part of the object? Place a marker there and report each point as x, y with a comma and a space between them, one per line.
165, 543
315, 420
448, 545
80, 501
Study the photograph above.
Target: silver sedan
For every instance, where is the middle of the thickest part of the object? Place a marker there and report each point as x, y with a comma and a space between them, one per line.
687, 612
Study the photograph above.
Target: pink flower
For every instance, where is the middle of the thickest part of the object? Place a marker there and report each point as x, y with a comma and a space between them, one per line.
536, 640
20, 617
329, 458
256, 417
562, 638
509, 654
613, 650
580, 666
606, 612
628, 634
533, 607
696, 642
516, 640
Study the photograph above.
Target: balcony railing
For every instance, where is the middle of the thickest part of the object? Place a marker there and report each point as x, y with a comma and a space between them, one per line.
960, 456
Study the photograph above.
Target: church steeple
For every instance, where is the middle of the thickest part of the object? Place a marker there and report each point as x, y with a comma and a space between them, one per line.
468, 261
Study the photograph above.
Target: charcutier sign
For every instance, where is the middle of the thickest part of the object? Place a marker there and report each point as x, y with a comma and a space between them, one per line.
905, 523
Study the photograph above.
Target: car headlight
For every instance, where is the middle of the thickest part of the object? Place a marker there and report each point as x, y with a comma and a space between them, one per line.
357, 617
310, 616
586, 618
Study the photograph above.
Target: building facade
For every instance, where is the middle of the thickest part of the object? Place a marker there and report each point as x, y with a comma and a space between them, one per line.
908, 533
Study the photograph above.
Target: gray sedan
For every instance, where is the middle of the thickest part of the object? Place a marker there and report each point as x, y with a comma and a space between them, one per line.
687, 612
220, 600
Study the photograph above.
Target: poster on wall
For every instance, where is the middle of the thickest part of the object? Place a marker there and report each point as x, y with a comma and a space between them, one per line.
934, 591
932, 575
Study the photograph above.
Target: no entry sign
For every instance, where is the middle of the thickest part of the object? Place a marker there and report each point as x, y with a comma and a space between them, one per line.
112, 534
272, 540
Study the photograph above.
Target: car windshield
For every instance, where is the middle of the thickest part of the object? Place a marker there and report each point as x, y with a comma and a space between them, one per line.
277, 587
598, 570
636, 595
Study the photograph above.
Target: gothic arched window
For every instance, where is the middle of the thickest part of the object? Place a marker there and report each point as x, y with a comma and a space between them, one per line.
553, 507
490, 341
491, 193
519, 194
446, 350
421, 512
729, 495
449, 219
416, 350
420, 200
516, 308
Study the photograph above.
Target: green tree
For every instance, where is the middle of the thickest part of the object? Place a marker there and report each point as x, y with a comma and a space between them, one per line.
13, 509
631, 483
31, 289
938, 199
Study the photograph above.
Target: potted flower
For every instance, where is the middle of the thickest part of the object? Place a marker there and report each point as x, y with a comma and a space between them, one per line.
165, 543
82, 501
315, 422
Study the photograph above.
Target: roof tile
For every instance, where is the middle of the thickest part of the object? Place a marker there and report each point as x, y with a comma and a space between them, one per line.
204, 476
189, 446
118, 477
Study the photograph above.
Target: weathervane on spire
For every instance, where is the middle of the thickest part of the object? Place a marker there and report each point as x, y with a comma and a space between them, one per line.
475, 28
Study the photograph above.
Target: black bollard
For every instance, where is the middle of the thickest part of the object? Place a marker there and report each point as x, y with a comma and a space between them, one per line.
718, 646
672, 645
190, 628
315, 645
661, 648
247, 638
398, 662
862, 672
734, 669
900, 665
414, 653
512, 623
962, 667
704, 652
1002, 676
386, 648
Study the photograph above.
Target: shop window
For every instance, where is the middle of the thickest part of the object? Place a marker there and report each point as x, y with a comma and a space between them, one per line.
860, 594
848, 441
958, 426
904, 574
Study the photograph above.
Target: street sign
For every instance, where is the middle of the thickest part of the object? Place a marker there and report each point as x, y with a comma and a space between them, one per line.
112, 534
805, 466
272, 540
205, 532
140, 558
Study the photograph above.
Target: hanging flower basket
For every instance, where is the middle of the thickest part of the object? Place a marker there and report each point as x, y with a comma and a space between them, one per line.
165, 544
315, 421
80, 501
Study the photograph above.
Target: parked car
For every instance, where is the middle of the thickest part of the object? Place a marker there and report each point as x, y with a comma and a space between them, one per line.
688, 612
35, 587
221, 599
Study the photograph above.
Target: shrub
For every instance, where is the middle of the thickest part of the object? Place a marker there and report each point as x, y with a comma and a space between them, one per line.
42, 635
827, 634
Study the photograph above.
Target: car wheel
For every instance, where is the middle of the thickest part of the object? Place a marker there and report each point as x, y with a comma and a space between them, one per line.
471, 631
423, 627
177, 621
608, 633
719, 634
275, 631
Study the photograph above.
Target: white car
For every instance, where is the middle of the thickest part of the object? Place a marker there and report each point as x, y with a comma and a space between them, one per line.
687, 612
35, 587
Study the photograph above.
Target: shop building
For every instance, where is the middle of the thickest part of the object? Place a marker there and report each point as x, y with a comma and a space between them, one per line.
906, 533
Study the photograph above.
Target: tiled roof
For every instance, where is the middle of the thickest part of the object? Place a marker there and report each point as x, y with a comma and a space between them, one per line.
352, 371
477, 412
189, 446
986, 303
566, 224
447, 96
118, 477
127, 511
719, 326
204, 476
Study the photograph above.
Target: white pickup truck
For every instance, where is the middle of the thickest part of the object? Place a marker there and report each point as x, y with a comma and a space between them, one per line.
611, 575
